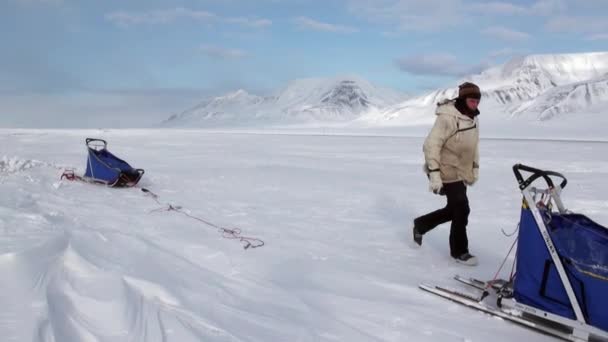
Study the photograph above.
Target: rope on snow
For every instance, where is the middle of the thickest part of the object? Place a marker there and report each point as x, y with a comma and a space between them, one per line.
227, 233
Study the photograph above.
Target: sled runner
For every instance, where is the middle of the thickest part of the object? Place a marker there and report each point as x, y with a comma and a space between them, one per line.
561, 269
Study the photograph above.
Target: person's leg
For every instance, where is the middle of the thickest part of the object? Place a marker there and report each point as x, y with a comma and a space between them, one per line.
458, 204
425, 223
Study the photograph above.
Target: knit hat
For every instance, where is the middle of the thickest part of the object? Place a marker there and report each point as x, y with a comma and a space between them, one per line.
469, 90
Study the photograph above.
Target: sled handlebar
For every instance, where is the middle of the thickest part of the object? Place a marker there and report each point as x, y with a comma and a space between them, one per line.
536, 173
90, 140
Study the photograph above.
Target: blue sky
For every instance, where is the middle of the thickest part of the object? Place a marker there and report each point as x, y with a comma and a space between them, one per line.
140, 61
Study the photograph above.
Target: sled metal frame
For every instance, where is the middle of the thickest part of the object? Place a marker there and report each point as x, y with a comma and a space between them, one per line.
508, 308
554, 195
521, 314
98, 145
509, 315
580, 329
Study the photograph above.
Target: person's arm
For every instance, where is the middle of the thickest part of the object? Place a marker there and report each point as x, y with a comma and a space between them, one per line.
434, 143
432, 152
476, 160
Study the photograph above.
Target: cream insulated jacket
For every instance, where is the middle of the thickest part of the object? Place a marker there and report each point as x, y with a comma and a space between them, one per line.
452, 146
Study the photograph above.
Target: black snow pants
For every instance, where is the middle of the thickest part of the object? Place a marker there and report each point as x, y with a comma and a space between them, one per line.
457, 210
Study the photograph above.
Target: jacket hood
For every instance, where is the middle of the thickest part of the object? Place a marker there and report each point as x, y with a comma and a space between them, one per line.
447, 108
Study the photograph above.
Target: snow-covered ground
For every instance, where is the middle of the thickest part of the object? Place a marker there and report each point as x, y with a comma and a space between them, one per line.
80, 262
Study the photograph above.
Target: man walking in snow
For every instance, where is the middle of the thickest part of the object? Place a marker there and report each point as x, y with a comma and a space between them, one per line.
452, 163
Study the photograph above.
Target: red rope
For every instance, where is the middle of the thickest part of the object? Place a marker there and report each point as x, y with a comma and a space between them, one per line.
227, 233
513, 268
70, 175
490, 283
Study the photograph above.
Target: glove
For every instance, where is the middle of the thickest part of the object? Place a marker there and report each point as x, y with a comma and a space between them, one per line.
475, 176
435, 183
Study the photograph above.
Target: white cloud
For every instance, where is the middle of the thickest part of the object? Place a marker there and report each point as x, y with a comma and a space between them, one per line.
505, 34
588, 17
599, 36
437, 15
165, 16
311, 24
577, 24
222, 53
256, 23
549, 7
597, 5
501, 8
390, 34
540, 7
438, 64
157, 16
505, 52
411, 15
39, 2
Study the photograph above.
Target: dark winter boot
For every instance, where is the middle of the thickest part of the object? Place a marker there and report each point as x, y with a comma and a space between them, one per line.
466, 259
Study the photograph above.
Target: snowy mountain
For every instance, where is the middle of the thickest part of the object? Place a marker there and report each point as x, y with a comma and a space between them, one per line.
570, 98
221, 107
526, 78
544, 85
338, 100
536, 86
